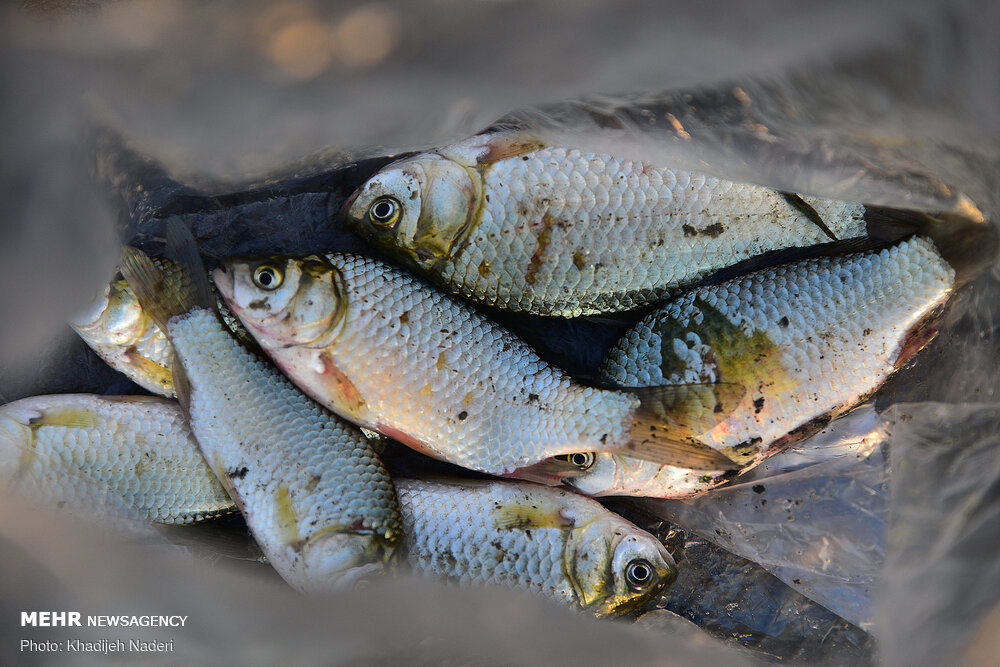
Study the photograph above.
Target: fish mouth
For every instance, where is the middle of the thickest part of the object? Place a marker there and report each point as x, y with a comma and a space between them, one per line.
225, 283
344, 559
344, 213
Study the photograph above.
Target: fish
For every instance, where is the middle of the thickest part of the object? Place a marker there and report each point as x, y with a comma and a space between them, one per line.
509, 222
108, 458
807, 341
551, 542
315, 496
392, 354
115, 326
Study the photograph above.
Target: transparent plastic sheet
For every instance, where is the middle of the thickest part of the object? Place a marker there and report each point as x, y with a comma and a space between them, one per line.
893, 102
942, 577
814, 516
737, 600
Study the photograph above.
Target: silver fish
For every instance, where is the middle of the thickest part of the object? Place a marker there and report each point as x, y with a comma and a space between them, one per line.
507, 221
96, 455
391, 354
314, 494
807, 341
521, 535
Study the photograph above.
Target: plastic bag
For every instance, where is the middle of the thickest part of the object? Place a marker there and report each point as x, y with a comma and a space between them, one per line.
813, 516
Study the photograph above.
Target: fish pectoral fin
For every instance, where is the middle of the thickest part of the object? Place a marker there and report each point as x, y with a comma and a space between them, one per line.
689, 454
689, 409
149, 368
69, 418
504, 146
670, 417
549, 471
181, 384
520, 517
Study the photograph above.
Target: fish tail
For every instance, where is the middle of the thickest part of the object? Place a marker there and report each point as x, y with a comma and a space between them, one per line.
166, 294
963, 236
669, 418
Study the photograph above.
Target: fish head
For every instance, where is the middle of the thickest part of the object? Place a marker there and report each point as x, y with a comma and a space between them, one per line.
342, 559
420, 208
597, 472
617, 567
616, 475
114, 317
285, 301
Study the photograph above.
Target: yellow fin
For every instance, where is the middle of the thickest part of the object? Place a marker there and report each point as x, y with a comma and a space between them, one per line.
689, 454
69, 417
520, 517
158, 373
288, 523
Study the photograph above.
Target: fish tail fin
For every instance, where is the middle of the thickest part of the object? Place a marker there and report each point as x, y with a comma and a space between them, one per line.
669, 418
166, 294
963, 236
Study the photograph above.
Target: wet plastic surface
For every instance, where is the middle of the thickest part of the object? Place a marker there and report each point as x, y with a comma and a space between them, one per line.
814, 516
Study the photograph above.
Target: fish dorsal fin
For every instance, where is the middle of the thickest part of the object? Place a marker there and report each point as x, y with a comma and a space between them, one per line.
164, 295
182, 245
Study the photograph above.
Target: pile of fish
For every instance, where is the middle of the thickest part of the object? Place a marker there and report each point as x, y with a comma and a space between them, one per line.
765, 314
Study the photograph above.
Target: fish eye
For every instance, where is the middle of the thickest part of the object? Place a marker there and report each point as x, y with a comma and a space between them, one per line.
267, 276
582, 460
639, 575
384, 211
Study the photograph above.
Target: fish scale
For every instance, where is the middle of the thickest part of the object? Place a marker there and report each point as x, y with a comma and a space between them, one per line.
559, 231
520, 535
806, 339
134, 454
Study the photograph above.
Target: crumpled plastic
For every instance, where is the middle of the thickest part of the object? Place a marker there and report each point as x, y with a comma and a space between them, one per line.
813, 516
942, 577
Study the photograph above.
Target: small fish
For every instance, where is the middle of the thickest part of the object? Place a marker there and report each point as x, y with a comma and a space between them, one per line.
123, 335
391, 354
116, 328
521, 535
509, 222
316, 497
806, 340
97, 454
